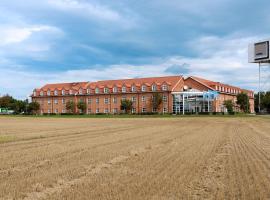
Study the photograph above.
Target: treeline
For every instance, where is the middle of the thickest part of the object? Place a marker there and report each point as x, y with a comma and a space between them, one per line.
18, 106
265, 101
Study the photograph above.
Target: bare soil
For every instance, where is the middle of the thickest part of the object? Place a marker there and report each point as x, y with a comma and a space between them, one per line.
138, 158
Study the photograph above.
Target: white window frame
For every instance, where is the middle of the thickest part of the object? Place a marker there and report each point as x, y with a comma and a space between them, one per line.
165, 87
97, 100
97, 110
143, 98
143, 88
154, 87
88, 90
97, 90
106, 90
41, 93
49, 102
115, 89
124, 89
133, 88
55, 92
89, 100
133, 99
63, 101
143, 110
48, 93
165, 98
114, 99
133, 110
63, 92
106, 100
80, 91
56, 101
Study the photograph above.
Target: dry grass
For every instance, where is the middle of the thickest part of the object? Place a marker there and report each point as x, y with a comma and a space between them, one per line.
169, 158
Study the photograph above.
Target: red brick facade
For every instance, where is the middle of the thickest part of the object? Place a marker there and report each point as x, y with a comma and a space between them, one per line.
106, 96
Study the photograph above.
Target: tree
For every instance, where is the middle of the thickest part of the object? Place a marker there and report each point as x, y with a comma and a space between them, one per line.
156, 101
265, 101
33, 107
229, 105
81, 106
70, 107
243, 102
126, 105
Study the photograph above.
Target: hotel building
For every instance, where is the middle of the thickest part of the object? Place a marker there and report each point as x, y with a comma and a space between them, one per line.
179, 95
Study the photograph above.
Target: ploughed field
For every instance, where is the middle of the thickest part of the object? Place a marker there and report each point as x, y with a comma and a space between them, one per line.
135, 158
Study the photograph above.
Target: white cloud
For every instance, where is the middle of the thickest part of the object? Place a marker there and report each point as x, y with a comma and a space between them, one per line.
10, 35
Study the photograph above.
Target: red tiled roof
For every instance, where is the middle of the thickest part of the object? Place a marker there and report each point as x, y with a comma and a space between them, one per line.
169, 80
212, 84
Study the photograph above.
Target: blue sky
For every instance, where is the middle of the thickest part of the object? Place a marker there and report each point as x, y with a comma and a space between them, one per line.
81, 40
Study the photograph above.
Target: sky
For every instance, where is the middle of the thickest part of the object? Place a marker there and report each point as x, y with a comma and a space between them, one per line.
50, 41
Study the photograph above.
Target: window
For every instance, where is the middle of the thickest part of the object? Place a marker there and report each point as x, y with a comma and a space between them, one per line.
154, 87
124, 98
97, 110
70, 92
56, 111
106, 90
143, 88
63, 92
35, 93
81, 100
133, 99
143, 110
165, 110
55, 101
164, 99
154, 110
133, 110
41, 93
115, 110
164, 87
106, 110
63, 101
97, 100
106, 100
133, 88
48, 92
49, 101
143, 98
55, 92
49, 111
63, 111
114, 100
89, 101
97, 90
115, 89
88, 91
80, 91
124, 89
89, 110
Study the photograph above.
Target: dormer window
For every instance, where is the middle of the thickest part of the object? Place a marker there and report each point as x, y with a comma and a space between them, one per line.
88, 90
70, 92
124, 89
133, 88
106, 90
48, 93
164, 87
55, 92
143, 88
115, 90
63, 92
41, 93
80, 91
154, 87
97, 90
35, 93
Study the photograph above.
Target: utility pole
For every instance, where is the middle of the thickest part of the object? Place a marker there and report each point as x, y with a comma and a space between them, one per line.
259, 93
